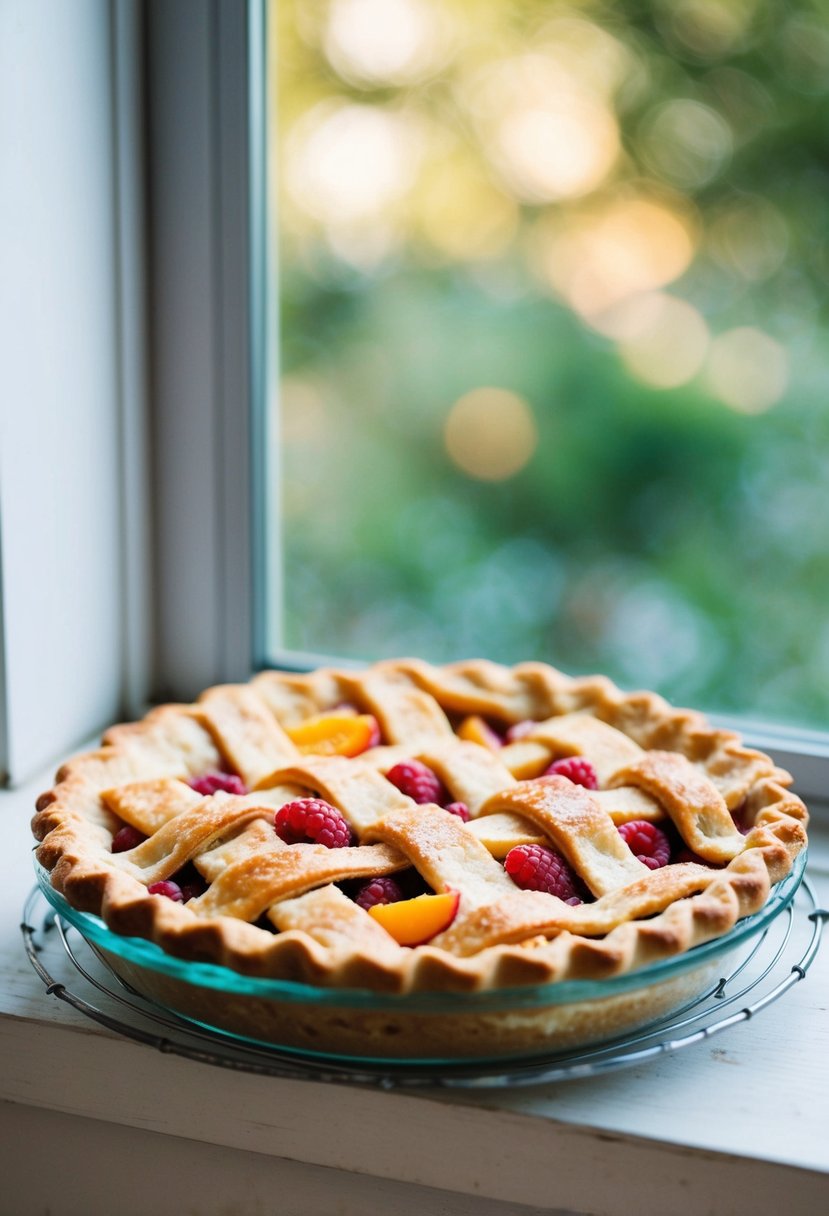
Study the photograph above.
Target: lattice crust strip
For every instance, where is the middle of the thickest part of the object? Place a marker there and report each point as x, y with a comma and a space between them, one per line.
652, 762
577, 826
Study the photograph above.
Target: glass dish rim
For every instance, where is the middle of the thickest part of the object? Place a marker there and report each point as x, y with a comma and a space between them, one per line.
144, 953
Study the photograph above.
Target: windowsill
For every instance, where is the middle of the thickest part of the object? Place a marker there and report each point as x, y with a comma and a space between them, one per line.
746, 1112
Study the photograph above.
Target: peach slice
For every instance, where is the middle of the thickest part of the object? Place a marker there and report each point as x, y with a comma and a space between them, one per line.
335, 734
476, 730
412, 922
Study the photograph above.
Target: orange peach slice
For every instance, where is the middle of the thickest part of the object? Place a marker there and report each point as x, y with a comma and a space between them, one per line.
411, 922
336, 734
476, 730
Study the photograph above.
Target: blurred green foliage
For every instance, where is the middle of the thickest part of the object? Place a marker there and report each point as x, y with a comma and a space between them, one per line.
615, 212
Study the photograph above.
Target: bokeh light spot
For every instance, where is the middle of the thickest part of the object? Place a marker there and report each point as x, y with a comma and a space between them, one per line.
558, 151
490, 433
747, 370
602, 257
347, 163
597, 59
549, 133
686, 142
666, 341
749, 236
805, 45
393, 42
710, 27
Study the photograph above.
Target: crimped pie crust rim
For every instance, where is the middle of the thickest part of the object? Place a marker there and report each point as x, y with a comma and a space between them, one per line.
89, 884
214, 977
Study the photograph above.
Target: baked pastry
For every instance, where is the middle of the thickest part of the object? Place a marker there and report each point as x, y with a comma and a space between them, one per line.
416, 829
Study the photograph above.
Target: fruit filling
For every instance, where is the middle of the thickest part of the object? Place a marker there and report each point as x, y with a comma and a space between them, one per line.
520, 730
417, 781
127, 838
476, 729
460, 809
575, 769
341, 733
535, 867
647, 842
215, 783
412, 922
167, 888
312, 820
381, 890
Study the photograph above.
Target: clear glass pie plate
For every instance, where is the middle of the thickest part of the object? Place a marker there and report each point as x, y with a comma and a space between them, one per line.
346, 1025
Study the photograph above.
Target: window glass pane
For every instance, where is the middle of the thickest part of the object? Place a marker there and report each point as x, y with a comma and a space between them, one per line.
553, 374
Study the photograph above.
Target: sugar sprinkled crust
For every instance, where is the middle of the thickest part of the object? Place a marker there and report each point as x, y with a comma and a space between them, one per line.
272, 909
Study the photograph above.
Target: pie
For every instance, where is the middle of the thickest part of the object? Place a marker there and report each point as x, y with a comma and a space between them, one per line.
410, 829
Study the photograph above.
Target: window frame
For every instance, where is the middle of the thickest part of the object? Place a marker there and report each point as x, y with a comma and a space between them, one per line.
206, 319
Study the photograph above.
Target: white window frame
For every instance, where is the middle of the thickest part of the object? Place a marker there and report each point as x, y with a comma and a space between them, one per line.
196, 365
205, 336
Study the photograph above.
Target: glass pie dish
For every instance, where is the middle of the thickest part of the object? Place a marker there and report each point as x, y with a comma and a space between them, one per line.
419, 862
528, 1022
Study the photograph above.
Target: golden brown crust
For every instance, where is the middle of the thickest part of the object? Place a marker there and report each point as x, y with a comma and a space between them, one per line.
670, 761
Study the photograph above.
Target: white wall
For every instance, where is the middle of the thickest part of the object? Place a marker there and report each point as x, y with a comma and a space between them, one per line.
59, 441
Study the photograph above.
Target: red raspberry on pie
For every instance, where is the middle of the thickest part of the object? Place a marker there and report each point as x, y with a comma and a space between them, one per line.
382, 890
417, 781
167, 888
214, 783
192, 890
460, 809
535, 867
312, 820
647, 842
575, 769
741, 820
127, 838
520, 730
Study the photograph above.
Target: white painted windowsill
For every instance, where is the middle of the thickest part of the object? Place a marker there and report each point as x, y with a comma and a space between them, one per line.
737, 1124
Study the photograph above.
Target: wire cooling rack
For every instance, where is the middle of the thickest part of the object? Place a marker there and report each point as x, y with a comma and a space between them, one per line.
766, 968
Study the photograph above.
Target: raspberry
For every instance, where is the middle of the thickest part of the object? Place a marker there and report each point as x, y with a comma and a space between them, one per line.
460, 809
647, 842
127, 838
520, 730
314, 820
213, 783
741, 821
171, 889
535, 867
192, 890
378, 891
417, 780
190, 881
575, 769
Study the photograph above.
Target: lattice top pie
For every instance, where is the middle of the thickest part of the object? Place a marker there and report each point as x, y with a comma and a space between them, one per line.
418, 828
